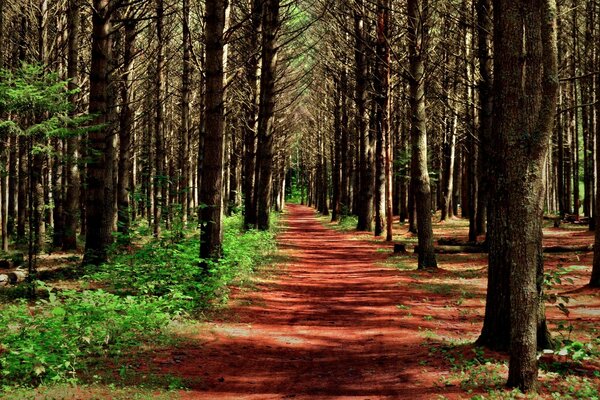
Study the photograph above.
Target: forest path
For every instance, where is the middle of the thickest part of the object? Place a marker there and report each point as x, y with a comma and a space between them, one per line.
328, 327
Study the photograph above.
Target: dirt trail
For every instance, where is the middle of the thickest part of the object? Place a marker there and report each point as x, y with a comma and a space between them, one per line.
327, 328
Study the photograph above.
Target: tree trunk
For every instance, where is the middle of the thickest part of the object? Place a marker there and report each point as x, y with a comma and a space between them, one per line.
211, 197
160, 181
99, 192
366, 161
417, 39
250, 115
382, 126
126, 133
266, 108
595, 278
184, 140
484, 29
71, 207
525, 99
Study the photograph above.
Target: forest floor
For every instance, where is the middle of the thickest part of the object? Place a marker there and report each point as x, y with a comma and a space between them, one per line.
342, 317
348, 319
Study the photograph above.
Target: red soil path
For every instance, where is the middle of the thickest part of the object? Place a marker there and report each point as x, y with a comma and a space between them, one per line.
328, 328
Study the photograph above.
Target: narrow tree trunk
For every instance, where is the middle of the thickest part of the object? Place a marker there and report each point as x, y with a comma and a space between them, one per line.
366, 161
335, 152
184, 140
126, 133
160, 181
417, 39
72, 178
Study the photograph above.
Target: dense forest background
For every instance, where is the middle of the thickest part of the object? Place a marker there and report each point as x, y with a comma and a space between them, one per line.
167, 114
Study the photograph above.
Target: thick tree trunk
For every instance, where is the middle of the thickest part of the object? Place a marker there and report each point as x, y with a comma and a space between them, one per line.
595, 278
266, 108
524, 99
417, 38
211, 199
99, 192
251, 115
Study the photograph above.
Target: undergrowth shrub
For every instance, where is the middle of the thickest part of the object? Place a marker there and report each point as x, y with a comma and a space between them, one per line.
142, 291
169, 269
50, 341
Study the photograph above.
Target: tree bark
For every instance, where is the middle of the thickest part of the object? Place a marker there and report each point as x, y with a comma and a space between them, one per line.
366, 159
417, 39
160, 181
266, 108
126, 134
99, 193
211, 197
184, 140
71, 207
524, 110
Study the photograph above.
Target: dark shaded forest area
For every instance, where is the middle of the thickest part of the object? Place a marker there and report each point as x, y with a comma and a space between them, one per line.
158, 159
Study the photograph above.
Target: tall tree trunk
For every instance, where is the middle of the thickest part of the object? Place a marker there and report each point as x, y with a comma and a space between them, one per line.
71, 207
126, 133
211, 185
366, 159
525, 99
381, 86
184, 140
251, 115
100, 151
266, 108
595, 278
160, 181
484, 29
4, 191
417, 39
336, 151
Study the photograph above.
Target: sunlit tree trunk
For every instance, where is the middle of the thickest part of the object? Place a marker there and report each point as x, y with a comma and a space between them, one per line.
525, 90
417, 38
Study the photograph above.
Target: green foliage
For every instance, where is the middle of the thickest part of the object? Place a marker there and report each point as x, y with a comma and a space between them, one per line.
50, 340
169, 268
553, 278
38, 102
142, 291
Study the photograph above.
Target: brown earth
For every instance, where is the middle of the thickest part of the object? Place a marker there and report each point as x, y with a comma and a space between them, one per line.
347, 320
